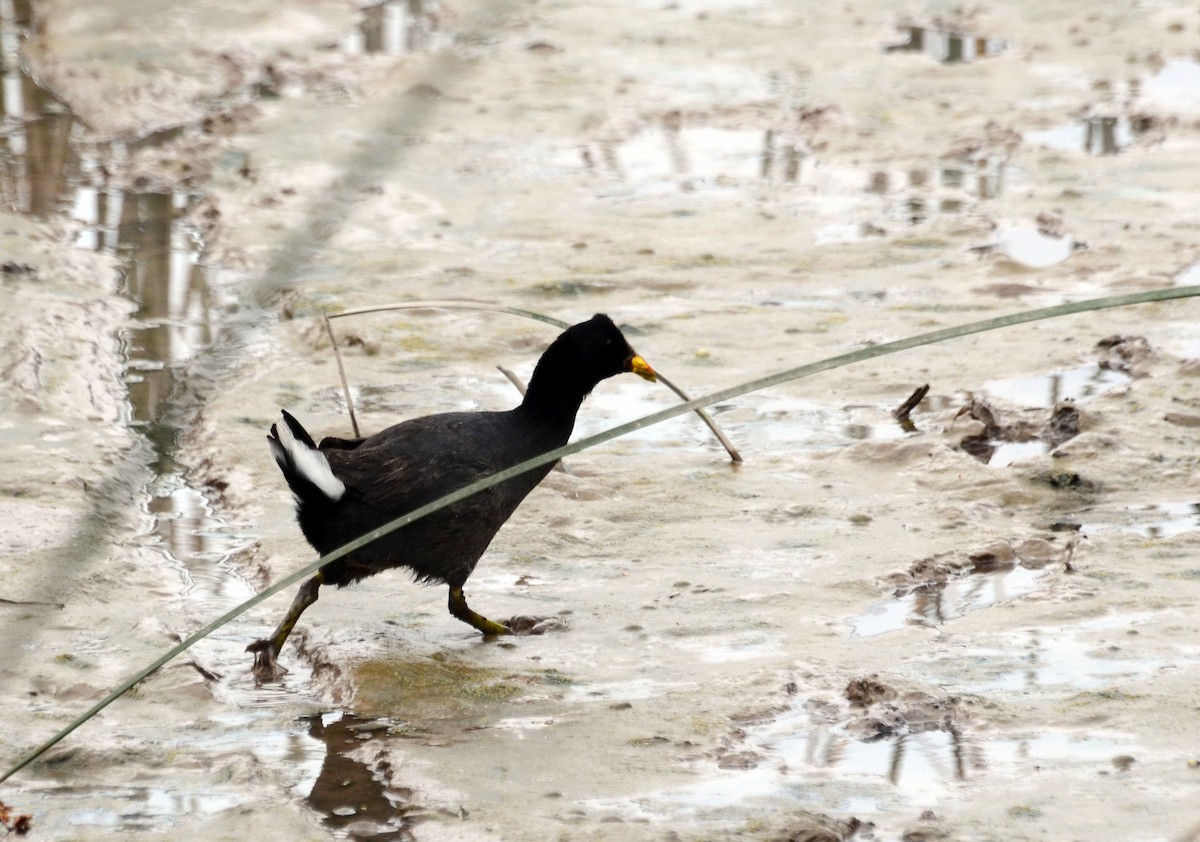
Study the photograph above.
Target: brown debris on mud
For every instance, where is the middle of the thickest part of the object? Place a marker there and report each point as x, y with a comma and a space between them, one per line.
1062, 425
933, 573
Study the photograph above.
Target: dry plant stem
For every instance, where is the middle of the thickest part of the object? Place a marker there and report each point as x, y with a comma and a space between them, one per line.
513, 379
337, 355
473, 304
902, 411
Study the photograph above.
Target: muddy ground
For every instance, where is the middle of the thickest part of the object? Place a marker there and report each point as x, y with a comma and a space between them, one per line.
980, 628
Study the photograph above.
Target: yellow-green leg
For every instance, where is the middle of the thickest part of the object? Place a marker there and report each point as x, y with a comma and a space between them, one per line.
266, 668
460, 609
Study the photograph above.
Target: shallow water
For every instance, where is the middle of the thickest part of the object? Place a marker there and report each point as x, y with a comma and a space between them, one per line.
742, 208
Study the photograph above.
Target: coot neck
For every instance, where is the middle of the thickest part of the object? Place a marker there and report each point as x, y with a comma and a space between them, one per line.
550, 403
556, 391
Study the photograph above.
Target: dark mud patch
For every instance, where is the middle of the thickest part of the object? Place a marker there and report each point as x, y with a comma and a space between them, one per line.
936, 589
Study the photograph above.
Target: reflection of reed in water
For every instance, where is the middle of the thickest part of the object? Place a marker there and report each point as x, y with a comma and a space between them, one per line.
36, 157
392, 27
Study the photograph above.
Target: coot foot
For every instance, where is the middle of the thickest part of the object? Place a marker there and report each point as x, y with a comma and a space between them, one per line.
460, 609
266, 668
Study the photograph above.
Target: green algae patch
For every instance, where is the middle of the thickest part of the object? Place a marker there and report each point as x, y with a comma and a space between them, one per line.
431, 689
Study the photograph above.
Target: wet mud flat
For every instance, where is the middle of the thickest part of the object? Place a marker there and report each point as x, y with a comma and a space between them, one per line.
978, 628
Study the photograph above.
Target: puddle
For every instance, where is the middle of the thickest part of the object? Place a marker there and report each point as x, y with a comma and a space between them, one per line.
1188, 277
672, 157
923, 765
947, 46
1006, 453
1033, 247
226, 740
1047, 391
37, 160
809, 751
1176, 87
186, 315
1106, 135
393, 27
959, 596
1154, 520
741, 647
757, 423
193, 538
1058, 659
919, 193
935, 590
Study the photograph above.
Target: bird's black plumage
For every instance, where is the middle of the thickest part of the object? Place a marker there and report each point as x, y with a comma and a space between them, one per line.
345, 488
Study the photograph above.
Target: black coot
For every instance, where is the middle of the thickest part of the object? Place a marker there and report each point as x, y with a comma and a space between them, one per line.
345, 488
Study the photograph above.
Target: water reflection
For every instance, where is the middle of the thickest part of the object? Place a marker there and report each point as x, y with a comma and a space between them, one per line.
50, 163
950, 187
676, 156
914, 761
393, 27
1096, 135
352, 798
920, 765
1047, 391
947, 46
193, 536
938, 605
37, 160
1053, 659
180, 302
215, 787
1154, 520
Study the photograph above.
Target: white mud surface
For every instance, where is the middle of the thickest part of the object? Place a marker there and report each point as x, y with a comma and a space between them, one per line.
858, 633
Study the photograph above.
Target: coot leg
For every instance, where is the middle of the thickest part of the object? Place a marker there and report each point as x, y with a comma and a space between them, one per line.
266, 668
460, 609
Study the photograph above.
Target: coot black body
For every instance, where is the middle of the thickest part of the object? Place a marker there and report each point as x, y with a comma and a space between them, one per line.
345, 488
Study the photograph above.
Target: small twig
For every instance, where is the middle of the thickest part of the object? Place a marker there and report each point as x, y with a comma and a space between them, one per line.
1069, 554
902, 411
337, 355
734, 456
30, 602
513, 379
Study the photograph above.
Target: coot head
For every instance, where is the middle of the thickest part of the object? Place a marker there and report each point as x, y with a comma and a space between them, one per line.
582, 356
